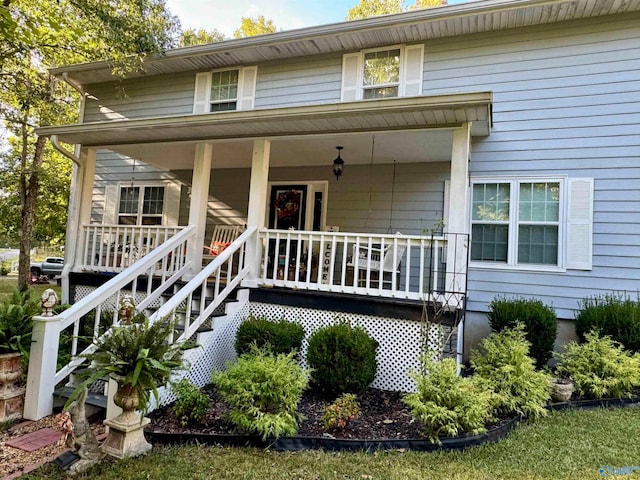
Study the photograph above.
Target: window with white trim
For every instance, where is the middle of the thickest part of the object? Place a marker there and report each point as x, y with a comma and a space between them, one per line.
394, 71
381, 74
141, 205
518, 222
225, 90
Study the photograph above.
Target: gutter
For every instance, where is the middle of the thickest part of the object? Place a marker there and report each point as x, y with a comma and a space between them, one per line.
332, 29
73, 156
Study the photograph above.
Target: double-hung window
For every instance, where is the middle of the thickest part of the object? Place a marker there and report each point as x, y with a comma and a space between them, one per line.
141, 205
518, 222
381, 74
394, 71
225, 90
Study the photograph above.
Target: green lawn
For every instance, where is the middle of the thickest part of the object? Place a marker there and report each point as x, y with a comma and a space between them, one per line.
565, 445
9, 282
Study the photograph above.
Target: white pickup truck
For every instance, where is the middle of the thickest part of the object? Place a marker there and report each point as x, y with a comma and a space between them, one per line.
51, 267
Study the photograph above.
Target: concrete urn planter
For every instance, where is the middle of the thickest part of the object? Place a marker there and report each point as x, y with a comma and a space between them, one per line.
11, 396
561, 389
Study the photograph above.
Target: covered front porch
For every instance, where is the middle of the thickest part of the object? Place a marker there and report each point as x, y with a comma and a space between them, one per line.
393, 225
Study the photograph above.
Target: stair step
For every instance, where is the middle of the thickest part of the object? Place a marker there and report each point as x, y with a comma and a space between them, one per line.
93, 398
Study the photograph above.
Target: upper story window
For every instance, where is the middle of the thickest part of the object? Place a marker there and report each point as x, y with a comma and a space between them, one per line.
540, 223
382, 73
225, 90
141, 205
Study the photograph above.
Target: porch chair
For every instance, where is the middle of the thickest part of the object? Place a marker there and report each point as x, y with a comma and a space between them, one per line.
223, 236
379, 262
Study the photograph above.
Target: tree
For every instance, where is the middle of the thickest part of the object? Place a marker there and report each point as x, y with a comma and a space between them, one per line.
374, 8
192, 37
428, 4
252, 26
38, 34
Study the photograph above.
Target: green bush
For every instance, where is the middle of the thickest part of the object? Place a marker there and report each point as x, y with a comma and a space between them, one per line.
445, 403
600, 367
611, 314
342, 359
282, 336
16, 313
510, 373
4, 269
263, 391
191, 404
341, 412
540, 323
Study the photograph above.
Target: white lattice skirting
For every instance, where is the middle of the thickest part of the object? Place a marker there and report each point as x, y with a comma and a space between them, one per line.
397, 354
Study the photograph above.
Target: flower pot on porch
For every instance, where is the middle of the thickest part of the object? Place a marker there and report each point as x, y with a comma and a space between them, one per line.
126, 431
11, 396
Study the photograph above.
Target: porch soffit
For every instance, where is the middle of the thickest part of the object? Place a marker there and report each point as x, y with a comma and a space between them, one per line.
414, 26
364, 116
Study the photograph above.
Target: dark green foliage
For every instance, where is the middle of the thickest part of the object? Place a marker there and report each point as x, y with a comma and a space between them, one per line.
4, 269
600, 367
281, 337
139, 355
16, 325
263, 391
342, 359
507, 370
614, 315
191, 404
445, 403
540, 323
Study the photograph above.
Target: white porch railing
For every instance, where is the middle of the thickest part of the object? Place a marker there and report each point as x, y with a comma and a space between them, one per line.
395, 266
112, 248
202, 295
145, 280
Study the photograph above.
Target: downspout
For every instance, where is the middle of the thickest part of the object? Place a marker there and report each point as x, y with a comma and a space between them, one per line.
75, 197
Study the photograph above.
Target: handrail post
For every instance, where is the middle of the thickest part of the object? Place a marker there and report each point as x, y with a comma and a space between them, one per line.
38, 401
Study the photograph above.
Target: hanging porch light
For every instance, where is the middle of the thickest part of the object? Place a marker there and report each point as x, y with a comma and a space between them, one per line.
338, 164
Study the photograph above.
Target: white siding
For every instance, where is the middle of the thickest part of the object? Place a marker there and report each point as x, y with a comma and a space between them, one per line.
566, 102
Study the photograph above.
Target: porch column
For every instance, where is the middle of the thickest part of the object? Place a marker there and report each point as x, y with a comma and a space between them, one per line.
457, 223
198, 204
80, 204
257, 205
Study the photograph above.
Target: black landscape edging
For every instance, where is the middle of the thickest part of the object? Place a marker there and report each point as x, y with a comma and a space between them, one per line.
589, 404
294, 444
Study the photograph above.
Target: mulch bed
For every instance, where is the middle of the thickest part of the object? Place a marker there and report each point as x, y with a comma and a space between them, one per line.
384, 416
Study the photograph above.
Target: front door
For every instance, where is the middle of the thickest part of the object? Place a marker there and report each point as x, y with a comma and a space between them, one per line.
288, 207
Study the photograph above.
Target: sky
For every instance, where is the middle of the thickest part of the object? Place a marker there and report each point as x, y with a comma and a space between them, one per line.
225, 15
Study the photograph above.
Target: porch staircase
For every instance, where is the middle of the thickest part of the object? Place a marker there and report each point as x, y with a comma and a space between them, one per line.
199, 304
98, 391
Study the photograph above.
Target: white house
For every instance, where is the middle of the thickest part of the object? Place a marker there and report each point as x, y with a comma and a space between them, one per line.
515, 123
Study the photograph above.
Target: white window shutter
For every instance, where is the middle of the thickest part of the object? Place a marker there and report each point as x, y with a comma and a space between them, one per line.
202, 92
247, 90
412, 71
445, 203
111, 199
580, 224
171, 204
351, 83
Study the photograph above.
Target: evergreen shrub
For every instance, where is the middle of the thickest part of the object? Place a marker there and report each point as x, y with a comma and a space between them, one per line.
540, 323
614, 315
507, 369
342, 359
280, 337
